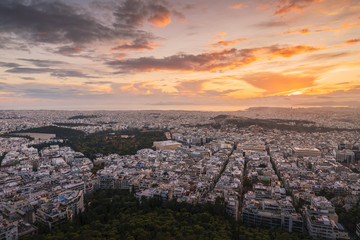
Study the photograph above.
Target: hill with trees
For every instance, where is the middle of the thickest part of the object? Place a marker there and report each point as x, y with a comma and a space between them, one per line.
124, 142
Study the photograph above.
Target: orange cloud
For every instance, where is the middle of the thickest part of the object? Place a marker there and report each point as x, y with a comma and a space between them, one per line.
291, 51
275, 83
141, 88
352, 41
286, 6
137, 44
226, 59
307, 30
191, 86
121, 55
227, 43
160, 20
237, 6
210, 61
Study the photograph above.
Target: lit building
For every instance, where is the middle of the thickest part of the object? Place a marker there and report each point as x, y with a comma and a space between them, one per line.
166, 145
306, 152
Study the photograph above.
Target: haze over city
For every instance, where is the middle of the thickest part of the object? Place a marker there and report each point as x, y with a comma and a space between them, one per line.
185, 55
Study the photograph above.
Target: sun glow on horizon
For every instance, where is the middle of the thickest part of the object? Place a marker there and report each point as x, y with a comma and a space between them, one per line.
152, 53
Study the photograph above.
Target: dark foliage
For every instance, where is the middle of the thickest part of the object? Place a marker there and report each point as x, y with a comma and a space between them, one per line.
262, 165
73, 124
2, 157
115, 214
101, 142
97, 168
82, 117
328, 195
106, 143
348, 218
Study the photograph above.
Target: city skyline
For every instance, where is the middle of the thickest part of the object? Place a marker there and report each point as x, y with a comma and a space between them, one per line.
188, 55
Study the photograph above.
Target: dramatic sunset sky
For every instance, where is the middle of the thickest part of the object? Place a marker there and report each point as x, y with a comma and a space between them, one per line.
171, 54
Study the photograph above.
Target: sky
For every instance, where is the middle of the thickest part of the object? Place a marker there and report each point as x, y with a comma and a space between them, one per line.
205, 55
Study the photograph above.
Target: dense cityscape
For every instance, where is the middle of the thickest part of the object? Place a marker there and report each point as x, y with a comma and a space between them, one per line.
303, 180
179, 120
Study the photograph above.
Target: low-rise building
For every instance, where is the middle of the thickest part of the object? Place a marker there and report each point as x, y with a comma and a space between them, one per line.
322, 221
8, 232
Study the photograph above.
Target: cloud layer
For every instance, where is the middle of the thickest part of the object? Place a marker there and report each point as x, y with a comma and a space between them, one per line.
162, 53
56, 22
210, 61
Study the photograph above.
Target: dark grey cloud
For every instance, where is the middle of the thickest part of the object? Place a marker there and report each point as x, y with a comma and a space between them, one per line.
51, 21
187, 62
29, 70
68, 50
97, 82
137, 44
70, 73
130, 14
28, 78
42, 63
9, 65
59, 73
134, 13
